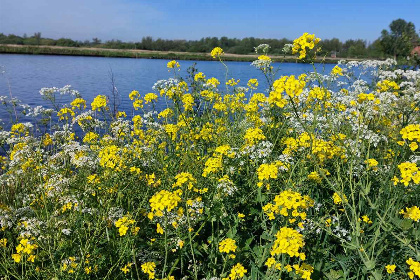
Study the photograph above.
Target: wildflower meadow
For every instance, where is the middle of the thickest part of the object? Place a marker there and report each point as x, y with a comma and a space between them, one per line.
293, 177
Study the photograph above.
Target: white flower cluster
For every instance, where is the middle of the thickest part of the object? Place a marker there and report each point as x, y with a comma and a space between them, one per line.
66, 90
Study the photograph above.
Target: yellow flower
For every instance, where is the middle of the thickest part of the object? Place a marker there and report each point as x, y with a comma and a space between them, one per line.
123, 224
385, 85
264, 57
3, 242
413, 146
253, 83
159, 229
238, 271
337, 71
227, 245
303, 43
150, 97
90, 137
409, 172
412, 213
188, 101
134, 95
371, 162
16, 257
164, 200
124, 269
253, 135
98, 102
339, 198
390, 268
366, 219
199, 76
79, 103
88, 270
65, 113
287, 241
149, 268
173, 64
414, 267
216, 52
232, 82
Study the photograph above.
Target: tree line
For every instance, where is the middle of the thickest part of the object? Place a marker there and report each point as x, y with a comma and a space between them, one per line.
397, 42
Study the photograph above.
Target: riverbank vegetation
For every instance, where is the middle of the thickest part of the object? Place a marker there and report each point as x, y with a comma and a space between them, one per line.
297, 177
397, 43
104, 52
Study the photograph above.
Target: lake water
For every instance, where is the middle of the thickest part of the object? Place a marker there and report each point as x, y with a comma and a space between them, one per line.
27, 74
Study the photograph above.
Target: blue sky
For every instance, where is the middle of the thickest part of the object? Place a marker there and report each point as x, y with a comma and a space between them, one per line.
130, 20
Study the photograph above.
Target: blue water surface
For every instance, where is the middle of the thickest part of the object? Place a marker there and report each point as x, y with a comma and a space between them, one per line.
27, 74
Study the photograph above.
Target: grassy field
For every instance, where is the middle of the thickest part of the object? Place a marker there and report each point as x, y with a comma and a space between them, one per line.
56, 50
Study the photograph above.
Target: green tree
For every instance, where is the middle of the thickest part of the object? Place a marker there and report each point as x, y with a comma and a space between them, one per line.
37, 37
398, 42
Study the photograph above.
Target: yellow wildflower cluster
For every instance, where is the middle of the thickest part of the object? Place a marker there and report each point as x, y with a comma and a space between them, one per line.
390, 268
199, 76
414, 268
25, 248
3, 242
386, 85
314, 176
366, 219
237, 272
266, 171
318, 93
184, 178
303, 43
337, 71
227, 245
126, 268
411, 133
212, 165
148, 98
175, 91
19, 129
253, 136
304, 271
364, 97
65, 113
289, 204
216, 52
289, 84
166, 113
288, 241
412, 213
188, 102
172, 64
213, 81
252, 83
109, 157
372, 163
319, 147
123, 224
134, 95
98, 102
163, 201
69, 265
68, 206
339, 198
90, 137
78, 103
409, 172
149, 268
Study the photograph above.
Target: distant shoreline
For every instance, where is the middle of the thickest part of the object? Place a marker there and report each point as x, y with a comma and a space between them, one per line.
100, 52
